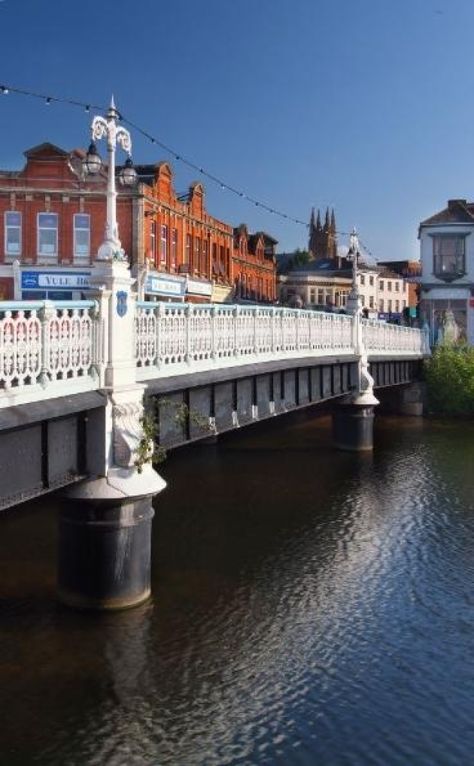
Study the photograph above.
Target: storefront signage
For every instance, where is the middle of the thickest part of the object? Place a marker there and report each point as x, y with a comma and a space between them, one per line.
165, 286
41, 280
196, 287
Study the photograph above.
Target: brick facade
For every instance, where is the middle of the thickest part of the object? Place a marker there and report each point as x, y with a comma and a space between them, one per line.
187, 253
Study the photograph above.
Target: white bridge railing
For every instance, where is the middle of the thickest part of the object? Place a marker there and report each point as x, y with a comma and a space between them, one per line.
176, 338
55, 349
47, 349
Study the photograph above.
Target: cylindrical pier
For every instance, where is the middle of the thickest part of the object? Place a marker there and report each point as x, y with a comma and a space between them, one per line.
353, 427
104, 553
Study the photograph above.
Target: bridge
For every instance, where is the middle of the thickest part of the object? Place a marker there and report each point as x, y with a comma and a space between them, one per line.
73, 376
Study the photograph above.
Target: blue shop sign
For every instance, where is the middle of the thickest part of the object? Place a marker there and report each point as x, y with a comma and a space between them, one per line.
165, 286
54, 280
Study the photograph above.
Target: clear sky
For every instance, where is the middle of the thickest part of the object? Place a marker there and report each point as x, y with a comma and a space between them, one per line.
364, 105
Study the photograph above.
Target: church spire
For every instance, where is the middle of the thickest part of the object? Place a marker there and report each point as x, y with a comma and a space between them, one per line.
311, 220
326, 220
333, 222
318, 221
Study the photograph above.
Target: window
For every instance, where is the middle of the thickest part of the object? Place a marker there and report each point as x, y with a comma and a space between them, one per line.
397, 287
12, 233
371, 281
321, 297
389, 286
82, 236
397, 306
215, 265
174, 248
153, 241
197, 253
448, 256
371, 301
389, 306
362, 300
188, 248
204, 257
164, 244
312, 295
381, 305
381, 284
404, 304
47, 234
362, 279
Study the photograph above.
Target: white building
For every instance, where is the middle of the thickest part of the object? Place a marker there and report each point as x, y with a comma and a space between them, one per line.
316, 285
447, 262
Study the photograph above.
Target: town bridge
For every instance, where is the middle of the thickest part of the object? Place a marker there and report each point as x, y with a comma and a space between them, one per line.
74, 376
209, 369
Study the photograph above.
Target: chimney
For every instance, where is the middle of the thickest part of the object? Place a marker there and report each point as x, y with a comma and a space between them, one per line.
453, 203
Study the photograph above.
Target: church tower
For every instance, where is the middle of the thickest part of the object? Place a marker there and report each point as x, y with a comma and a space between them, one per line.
323, 239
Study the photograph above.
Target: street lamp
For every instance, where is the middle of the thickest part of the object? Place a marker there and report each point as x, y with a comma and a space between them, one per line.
353, 299
106, 127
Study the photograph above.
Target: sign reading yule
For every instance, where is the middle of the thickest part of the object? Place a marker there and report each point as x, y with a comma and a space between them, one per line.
32, 280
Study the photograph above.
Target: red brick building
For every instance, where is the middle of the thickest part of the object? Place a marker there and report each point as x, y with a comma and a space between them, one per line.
254, 266
51, 225
52, 221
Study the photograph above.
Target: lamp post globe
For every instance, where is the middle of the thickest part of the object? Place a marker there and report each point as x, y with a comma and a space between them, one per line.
92, 161
128, 174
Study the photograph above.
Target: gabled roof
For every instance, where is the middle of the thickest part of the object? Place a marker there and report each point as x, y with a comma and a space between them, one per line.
458, 211
45, 149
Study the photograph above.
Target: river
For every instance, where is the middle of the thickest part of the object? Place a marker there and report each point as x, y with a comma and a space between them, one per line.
309, 607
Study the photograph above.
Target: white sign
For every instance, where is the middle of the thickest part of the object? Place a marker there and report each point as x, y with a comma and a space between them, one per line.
166, 286
199, 288
63, 280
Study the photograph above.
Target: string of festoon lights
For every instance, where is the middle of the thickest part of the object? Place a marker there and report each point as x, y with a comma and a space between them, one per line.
5, 90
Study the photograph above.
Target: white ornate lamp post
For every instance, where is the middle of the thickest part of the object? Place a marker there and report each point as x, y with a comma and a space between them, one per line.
353, 300
353, 417
106, 127
105, 528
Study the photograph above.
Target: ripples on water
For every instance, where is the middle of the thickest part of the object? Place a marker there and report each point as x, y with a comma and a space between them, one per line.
310, 607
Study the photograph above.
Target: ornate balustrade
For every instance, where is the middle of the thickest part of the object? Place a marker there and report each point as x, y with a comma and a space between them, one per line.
174, 338
52, 349
381, 339
48, 349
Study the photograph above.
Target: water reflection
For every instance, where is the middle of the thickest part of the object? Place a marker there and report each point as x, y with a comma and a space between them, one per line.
309, 607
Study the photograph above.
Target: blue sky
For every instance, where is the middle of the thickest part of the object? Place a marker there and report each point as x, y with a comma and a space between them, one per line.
364, 105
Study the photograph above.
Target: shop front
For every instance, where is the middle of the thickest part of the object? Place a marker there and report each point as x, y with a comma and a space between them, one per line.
198, 290
165, 287
7, 285
221, 293
54, 285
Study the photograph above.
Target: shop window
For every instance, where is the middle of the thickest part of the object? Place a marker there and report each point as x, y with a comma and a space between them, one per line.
13, 233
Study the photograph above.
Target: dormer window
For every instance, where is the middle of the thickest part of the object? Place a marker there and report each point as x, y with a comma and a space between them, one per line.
449, 256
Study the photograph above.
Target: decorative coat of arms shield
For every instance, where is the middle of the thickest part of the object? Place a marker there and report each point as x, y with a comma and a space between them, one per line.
122, 303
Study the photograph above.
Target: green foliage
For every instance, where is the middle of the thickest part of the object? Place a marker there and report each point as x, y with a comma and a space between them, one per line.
300, 258
149, 450
450, 380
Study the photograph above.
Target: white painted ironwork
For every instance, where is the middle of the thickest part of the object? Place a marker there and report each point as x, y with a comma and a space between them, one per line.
173, 338
47, 349
51, 349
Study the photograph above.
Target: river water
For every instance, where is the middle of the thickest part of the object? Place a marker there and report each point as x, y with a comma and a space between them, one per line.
309, 607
